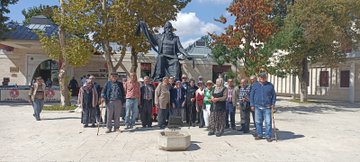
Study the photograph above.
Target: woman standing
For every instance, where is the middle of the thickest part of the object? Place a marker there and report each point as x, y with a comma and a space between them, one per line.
88, 99
207, 102
199, 96
218, 111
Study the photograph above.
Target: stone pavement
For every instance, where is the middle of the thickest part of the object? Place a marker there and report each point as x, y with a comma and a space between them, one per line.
308, 132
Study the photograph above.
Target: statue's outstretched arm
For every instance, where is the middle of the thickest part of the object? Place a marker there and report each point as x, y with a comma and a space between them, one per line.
181, 50
142, 27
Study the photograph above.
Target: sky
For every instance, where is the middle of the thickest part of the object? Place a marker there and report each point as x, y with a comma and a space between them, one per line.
194, 21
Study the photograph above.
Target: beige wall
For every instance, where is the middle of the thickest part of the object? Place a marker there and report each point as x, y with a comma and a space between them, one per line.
284, 86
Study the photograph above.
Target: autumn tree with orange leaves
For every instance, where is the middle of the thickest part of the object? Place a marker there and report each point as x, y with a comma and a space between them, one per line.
243, 43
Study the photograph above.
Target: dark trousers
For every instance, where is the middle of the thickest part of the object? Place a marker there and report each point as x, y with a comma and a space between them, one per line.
253, 116
88, 115
200, 116
146, 112
230, 112
245, 116
191, 113
162, 114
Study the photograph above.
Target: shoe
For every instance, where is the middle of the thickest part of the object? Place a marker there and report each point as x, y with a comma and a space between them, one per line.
218, 134
269, 139
127, 127
211, 133
193, 125
144, 126
93, 125
117, 130
85, 126
108, 131
201, 126
258, 138
233, 128
246, 131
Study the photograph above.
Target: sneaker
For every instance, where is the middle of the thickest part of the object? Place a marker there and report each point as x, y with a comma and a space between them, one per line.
217, 134
108, 131
211, 133
269, 139
85, 126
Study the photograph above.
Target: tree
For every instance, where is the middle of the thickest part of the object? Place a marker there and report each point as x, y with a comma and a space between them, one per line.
245, 41
317, 31
69, 49
116, 21
46, 10
4, 10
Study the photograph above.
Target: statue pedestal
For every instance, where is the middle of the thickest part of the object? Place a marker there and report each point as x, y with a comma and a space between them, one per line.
174, 141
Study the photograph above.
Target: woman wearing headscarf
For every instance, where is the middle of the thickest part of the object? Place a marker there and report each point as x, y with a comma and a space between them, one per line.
88, 99
207, 102
218, 110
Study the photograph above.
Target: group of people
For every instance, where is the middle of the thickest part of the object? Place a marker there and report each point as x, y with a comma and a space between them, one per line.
202, 104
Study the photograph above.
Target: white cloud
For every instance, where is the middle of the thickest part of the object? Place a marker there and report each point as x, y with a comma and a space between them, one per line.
189, 42
189, 25
215, 1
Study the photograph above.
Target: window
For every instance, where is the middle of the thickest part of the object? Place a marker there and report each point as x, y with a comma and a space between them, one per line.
324, 78
344, 78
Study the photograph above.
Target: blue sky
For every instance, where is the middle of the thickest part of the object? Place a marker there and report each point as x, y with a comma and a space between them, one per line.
194, 21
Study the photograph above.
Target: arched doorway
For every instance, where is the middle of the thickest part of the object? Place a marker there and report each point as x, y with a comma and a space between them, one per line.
48, 69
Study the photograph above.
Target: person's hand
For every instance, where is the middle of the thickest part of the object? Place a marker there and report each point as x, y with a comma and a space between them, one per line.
192, 99
173, 105
183, 104
30, 101
252, 108
273, 108
102, 99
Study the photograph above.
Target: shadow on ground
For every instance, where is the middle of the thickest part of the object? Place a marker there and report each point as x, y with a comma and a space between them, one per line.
61, 118
321, 109
287, 135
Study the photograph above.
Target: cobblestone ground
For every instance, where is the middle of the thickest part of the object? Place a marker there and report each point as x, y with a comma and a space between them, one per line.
325, 131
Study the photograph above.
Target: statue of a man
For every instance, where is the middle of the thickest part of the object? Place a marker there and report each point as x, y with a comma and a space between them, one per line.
169, 47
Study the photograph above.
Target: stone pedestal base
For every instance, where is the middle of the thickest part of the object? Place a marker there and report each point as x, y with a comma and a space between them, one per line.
174, 141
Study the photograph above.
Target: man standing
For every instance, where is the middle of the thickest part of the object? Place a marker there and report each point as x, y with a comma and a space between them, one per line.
244, 102
162, 101
190, 103
132, 90
146, 102
230, 105
177, 99
114, 96
262, 100
37, 97
253, 80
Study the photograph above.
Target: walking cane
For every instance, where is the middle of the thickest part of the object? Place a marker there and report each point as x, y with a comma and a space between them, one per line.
273, 123
100, 116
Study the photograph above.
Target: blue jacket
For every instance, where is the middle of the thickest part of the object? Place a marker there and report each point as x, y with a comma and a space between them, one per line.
262, 94
107, 91
173, 96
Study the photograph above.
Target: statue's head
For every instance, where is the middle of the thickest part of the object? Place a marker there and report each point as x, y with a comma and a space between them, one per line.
168, 27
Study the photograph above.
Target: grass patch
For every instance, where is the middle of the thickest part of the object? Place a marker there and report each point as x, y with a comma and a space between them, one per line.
59, 108
308, 101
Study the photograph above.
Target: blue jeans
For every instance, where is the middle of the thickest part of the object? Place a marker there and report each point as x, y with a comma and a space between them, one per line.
132, 111
37, 106
261, 114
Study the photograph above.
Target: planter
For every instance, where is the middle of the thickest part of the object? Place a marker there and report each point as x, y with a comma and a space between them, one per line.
174, 141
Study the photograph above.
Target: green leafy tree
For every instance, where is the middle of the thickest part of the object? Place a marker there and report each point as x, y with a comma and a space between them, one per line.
46, 10
116, 21
317, 32
4, 10
244, 42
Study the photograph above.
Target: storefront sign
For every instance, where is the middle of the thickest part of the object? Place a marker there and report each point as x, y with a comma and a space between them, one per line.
23, 95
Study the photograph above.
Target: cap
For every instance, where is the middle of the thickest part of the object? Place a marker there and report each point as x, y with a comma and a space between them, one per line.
209, 82
178, 81
114, 74
262, 75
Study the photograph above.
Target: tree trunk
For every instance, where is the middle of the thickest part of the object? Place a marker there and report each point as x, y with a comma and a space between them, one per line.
293, 87
107, 52
303, 79
64, 92
134, 62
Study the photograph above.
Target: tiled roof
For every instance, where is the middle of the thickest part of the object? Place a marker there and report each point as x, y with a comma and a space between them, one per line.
199, 48
26, 32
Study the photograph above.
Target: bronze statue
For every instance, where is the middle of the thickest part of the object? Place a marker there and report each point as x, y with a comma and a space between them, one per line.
169, 49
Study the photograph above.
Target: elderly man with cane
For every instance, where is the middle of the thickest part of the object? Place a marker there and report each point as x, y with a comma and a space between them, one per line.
262, 100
